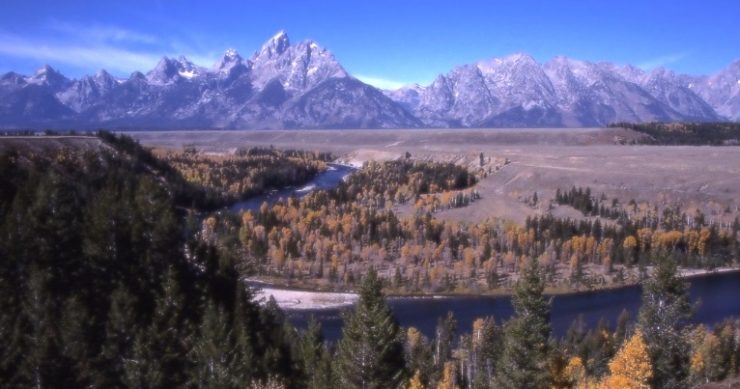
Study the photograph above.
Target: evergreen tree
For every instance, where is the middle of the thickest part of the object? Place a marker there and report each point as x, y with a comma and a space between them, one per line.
665, 311
370, 353
620, 333
75, 329
444, 341
315, 357
419, 358
214, 354
277, 336
523, 363
164, 342
36, 366
486, 344
120, 335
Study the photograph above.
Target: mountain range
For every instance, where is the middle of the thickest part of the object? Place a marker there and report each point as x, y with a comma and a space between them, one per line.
284, 85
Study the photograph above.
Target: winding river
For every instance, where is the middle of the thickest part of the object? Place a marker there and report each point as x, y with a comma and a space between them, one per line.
717, 295
328, 179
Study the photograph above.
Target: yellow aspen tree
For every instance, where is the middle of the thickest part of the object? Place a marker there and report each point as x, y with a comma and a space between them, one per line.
631, 367
575, 371
415, 381
448, 377
629, 245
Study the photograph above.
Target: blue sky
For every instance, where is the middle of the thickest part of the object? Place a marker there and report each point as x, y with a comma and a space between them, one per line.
382, 41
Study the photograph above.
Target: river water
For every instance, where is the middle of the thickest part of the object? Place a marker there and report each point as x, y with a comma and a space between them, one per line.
326, 180
717, 295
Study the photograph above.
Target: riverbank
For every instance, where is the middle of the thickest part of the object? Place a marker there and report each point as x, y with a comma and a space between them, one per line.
298, 298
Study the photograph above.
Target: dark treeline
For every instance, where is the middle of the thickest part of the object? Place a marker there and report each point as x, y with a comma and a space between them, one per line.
582, 200
403, 180
715, 134
249, 172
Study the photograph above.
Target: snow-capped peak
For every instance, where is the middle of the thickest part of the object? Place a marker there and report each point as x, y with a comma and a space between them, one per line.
520, 57
168, 70
46, 75
296, 67
275, 46
230, 59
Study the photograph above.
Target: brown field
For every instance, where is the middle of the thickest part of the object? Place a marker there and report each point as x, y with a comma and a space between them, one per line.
540, 160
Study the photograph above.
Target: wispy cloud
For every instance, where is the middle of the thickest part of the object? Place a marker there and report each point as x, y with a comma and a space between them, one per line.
101, 33
662, 61
380, 82
85, 57
89, 48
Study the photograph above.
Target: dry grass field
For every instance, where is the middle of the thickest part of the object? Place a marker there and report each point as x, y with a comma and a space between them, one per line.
537, 160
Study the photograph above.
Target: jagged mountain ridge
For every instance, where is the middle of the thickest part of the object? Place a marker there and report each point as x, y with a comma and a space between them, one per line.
516, 91
281, 86
284, 85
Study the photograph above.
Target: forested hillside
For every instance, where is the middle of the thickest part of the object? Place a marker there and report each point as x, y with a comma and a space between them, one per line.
102, 285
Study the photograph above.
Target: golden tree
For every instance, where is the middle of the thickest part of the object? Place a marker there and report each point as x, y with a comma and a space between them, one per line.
415, 381
448, 377
631, 367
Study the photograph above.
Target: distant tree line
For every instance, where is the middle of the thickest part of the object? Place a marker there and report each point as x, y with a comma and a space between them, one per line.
248, 172
715, 134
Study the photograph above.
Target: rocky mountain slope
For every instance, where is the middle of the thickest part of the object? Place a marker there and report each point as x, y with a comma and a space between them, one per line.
280, 86
284, 85
517, 91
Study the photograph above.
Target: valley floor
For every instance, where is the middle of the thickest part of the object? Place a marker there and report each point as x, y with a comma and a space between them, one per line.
537, 160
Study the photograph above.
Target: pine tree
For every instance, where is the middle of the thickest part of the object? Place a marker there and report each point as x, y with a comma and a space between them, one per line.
276, 336
620, 333
665, 311
214, 353
38, 338
75, 328
446, 329
523, 363
120, 335
418, 353
161, 347
486, 343
370, 353
315, 357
